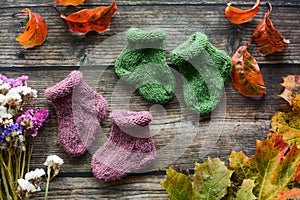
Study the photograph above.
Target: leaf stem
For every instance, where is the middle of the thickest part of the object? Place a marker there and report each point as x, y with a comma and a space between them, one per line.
58, 11
269, 5
16, 13
48, 181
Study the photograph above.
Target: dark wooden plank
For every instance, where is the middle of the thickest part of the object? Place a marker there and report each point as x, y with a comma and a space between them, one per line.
64, 48
134, 187
243, 4
235, 126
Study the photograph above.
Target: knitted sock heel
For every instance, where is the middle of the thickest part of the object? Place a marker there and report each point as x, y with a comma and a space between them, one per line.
205, 69
142, 63
79, 109
128, 148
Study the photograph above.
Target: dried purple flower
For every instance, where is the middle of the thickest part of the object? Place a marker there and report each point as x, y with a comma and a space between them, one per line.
20, 81
33, 119
13, 131
2, 137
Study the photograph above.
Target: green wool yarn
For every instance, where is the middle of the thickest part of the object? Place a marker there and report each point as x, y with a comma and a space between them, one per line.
205, 69
142, 63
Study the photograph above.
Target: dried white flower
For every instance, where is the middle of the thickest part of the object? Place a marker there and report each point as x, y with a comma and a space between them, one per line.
5, 118
7, 122
13, 95
3, 111
3, 100
26, 91
25, 185
4, 86
37, 173
53, 160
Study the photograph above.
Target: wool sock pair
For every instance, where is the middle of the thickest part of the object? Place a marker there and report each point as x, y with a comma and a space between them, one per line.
80, 110
142, 63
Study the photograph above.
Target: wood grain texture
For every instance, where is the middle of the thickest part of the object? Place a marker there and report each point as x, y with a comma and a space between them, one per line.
64, 48
133, 187
180, 136
233, 126
37, 3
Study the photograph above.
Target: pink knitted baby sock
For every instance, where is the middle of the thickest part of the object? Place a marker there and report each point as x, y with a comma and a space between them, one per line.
79, 109
129, 147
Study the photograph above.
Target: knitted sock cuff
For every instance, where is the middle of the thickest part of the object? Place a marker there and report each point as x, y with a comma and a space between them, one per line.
65, 87
199, 46
139, 39
194, 46
134, 124
126, 118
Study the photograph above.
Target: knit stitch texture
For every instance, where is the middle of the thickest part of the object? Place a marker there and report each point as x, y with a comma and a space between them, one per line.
79, 109
205, 69
142, 63
129, 147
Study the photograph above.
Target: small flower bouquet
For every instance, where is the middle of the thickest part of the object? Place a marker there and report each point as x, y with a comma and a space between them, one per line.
19, 125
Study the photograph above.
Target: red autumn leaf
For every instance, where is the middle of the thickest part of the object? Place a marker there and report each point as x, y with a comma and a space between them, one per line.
97, 19
297, 174
70, 2
35, 32
239, 16
245, 75
267, 37
273, 168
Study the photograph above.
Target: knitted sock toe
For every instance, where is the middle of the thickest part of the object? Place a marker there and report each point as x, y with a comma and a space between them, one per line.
79, 110
142, 63
128, 148
205, 69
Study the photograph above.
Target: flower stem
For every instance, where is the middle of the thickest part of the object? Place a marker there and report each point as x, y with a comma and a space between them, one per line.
1, 196
10, 173
4, 178
18, 158
48, 181
23, 164
29, 155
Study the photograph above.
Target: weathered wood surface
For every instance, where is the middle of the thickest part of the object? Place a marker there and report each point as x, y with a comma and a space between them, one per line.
234, 126
67, 49
239, 124
37, 3
134, 187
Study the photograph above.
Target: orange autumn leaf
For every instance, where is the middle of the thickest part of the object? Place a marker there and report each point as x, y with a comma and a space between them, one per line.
288, 194
97, 19
273, 168
267, 37
245, 75
291, 91
35, 32
70, 2
239, 16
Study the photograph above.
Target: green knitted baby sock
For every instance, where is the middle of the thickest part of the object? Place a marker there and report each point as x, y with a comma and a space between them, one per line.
142, 63
205, 69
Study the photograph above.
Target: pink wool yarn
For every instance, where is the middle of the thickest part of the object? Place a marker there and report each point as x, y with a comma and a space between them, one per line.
129, 147
79, 109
